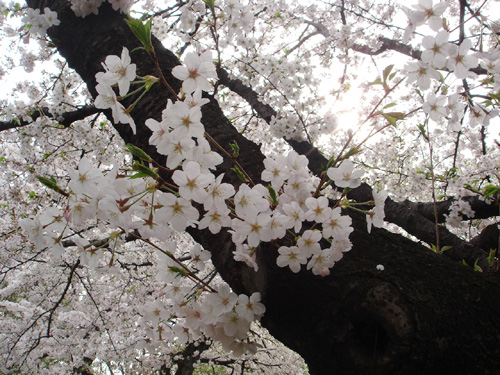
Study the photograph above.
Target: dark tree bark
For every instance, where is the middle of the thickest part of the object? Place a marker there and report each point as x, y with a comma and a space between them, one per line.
425, 314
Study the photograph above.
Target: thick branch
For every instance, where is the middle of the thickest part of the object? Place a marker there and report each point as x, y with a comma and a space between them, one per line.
66, 119
481, 208
386, 45
488, 238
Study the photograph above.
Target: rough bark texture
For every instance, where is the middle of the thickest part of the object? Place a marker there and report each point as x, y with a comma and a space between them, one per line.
423, 315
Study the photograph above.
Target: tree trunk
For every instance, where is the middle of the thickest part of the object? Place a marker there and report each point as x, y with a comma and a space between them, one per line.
423, 314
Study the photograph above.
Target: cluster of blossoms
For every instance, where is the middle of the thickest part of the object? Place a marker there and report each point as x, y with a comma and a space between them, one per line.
424, 12
83, 8
120, 71
240, 18
189, 13
459, 210
253, 214
237, 18
221, 315
40, 22
440, 54
134, 204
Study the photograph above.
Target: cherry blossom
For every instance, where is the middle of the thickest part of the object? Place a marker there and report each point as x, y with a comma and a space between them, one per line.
192, 182
345, 175
321, 262
217, 193
291, 257
337, 225
40, 22
276, 171
83, 8
198, 69
431, 13
107, 99
435, 107
177, 149
34, 229
250, 307
460, 61
295, 215
253, 227
308, 243
456, 108
199, 257
223, 301
186, 121
319, 209
215, 218
437, 49
376, 216
177, 211
119, 70
422, 73
122, 5
85, 179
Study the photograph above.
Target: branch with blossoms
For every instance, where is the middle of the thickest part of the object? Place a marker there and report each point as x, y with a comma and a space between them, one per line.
421, 212
65, 119
259, 214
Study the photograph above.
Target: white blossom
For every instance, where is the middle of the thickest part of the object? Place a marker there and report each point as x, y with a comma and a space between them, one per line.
345, 175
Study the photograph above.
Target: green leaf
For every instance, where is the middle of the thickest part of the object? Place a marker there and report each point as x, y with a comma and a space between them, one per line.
422, 130
476, 266
272, 194
390, 119
393, 117
236, 149
210, 4
396, 115
346, 190
145, 171
51, 184
491, 256
389, 105
178, 270
377, 81
139, 175
239, 173
491, 190
330, 162
139, 153
142, 32
351, 152
387, 71
444, 248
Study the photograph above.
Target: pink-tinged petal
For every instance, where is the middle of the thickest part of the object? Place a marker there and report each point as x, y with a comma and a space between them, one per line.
461, 71
439, 8
125, 57
180, 72
189, 86
192, 61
